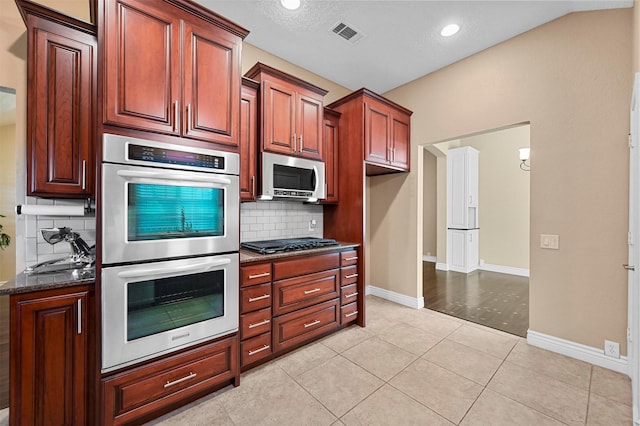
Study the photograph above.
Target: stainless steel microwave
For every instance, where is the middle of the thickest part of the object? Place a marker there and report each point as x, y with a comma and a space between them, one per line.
284, 176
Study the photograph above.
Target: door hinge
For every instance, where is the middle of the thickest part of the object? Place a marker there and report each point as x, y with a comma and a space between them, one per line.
628, 334
630, 141
629, 239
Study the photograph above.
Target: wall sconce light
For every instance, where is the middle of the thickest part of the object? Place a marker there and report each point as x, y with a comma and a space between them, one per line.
524, 157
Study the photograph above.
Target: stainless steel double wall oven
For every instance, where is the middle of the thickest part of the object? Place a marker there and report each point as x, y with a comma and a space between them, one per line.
169, 250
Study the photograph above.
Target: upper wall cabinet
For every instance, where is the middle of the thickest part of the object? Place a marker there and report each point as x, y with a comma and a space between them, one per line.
173, 68
387, 130
249, 140
291, 114
60, 103
331, 154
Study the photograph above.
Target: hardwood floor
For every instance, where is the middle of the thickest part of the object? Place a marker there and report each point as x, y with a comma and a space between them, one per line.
499, 301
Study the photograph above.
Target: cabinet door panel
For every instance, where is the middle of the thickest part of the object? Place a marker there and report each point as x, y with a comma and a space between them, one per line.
142, 67
331, 157
278, 118
400, 138
211, 84
309, 127
376, 133
248, 144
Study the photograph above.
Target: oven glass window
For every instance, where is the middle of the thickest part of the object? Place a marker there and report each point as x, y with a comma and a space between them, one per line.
157, 212
156, 306
287, 177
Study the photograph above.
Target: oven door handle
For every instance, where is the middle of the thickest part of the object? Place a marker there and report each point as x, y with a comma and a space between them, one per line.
150, 272
140, 174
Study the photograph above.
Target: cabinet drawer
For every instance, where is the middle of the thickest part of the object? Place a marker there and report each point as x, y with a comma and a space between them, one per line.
255, 297
137, 392
303, 325
349, 275
348, 313
255, 274
306, 265
349, 294
348, 258
255, 323
255, 349
300, 292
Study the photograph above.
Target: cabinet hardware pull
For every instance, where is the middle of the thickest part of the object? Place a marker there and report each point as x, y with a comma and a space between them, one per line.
258, 324
351, 258
348, 296
312, 323
175, 382
189, 127
264, 274
176, 119
264, 348
79, 326
84, 174
350, 276
295, 143
255, 299
253, 185
301, 148
351, 314
315, 290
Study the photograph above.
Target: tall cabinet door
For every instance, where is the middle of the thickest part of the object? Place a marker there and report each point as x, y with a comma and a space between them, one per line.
61, 102
331, 156
142, 67
401, 139
309, 128
248, 142
211, 83
376, 132
49, 358
278, 117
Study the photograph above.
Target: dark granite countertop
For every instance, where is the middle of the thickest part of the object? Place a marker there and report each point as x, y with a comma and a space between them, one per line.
24, 283
247, 256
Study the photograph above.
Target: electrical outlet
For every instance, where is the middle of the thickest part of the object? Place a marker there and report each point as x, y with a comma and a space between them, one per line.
612, 349
550, 241
312, 225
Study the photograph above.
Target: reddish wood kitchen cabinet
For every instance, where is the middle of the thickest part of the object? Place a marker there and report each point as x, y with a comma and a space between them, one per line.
170, 70
249, 140
49, 367
61, 69
331, 154
291, 113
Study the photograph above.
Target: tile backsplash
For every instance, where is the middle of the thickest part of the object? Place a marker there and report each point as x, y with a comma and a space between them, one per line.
37, 249
265, 220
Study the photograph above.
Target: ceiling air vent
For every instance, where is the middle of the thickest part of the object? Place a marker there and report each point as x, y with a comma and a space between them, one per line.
347, 32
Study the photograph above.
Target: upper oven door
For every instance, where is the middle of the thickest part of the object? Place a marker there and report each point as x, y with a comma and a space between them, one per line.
152, 213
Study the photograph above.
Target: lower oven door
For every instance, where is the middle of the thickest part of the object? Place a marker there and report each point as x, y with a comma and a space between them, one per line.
156, 308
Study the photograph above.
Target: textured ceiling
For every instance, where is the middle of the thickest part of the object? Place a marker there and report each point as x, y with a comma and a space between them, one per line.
401, 39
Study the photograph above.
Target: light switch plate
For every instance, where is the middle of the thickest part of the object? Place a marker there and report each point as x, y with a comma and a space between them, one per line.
548, 241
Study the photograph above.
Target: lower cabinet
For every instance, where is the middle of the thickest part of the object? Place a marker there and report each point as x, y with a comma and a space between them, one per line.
463, 249
160, 386
49, 357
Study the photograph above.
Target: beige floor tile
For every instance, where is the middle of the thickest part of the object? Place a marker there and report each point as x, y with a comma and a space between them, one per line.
446, 393
409, 338
563, 368
496, 410
274, 402
483, 340
463, 360
388, 406
542, 393
605, 412
347, 338
305, 358
205, 411
377, 323
339, 384
611, 385
379, 357
438, 325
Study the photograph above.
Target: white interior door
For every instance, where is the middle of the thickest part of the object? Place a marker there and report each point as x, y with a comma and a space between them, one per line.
633, 351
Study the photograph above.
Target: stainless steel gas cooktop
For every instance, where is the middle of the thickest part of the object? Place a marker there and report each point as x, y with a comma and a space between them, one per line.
287, 244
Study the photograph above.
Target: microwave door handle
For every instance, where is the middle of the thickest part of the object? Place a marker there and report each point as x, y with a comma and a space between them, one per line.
147, 272
168, 176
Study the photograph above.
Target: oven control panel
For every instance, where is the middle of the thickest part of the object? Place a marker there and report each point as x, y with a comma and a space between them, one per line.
170, 156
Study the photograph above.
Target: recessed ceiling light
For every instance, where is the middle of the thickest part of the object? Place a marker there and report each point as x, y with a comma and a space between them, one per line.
290, 4
447, 31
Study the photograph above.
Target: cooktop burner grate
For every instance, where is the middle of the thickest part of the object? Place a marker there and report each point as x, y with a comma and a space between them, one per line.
287, 244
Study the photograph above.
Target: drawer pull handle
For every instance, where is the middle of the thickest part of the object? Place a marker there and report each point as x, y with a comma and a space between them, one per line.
315, 290
255, 299
258, 324
351, 314
264, 348
311, 324
351, 258
350, 276
175, 382
264, 274
349, 296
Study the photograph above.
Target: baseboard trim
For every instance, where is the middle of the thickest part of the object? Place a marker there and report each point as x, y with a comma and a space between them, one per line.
431, 259
442, 266
578, 351
392, 296
504, 269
